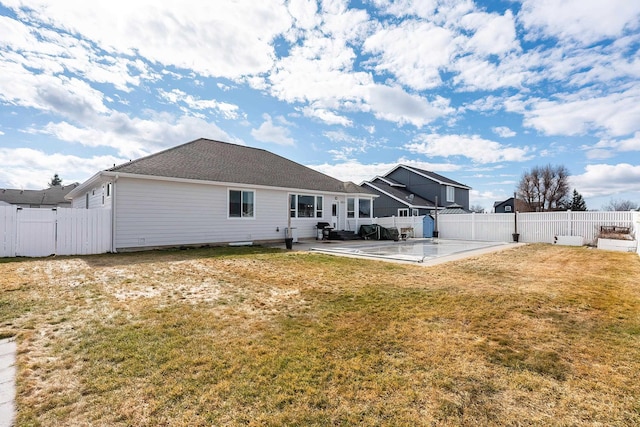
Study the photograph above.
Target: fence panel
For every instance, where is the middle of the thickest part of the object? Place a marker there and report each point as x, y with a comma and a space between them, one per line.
533, 227
414, 222
8, 231
83, 231
35, 232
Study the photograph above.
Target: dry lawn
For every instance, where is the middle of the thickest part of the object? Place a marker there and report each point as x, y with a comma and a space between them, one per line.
538, 335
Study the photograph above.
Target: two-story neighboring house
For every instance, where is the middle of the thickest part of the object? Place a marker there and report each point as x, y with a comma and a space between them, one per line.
409, 191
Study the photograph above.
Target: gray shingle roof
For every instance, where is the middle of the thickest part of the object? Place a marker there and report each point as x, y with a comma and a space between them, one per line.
52, 196
209, 160
436, 176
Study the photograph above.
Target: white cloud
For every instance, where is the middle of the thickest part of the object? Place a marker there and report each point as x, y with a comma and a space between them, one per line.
414, 51
326, 116
67, 96
616, 113
225, 109
41, 50
607, 180
268, 132
396, 105
26, 168
304, 13
135, 137
477, 149
236, 36
504, 131
585, 21
494, 34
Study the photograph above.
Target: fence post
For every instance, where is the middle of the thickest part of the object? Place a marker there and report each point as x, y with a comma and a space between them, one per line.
473, 226
569, 223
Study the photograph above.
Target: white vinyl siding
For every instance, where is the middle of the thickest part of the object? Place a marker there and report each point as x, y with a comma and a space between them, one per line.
164, 213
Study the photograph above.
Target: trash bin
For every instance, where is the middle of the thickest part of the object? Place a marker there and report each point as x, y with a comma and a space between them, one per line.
293, 235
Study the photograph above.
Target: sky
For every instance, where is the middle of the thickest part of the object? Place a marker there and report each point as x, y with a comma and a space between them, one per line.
477, 91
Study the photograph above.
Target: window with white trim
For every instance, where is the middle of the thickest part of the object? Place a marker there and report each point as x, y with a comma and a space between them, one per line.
451, 194
351, 207
507, 208
364, 208
415, 212
305, 206
241, 204
403, 212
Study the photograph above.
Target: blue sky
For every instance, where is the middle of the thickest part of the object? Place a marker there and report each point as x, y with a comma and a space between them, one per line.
477, 91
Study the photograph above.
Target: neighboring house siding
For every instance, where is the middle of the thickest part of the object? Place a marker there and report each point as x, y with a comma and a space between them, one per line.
164, 213
418, 185
386, 206
426, 187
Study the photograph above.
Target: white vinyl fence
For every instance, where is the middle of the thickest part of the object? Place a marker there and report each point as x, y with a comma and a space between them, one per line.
408, 222
32, 232
533, 227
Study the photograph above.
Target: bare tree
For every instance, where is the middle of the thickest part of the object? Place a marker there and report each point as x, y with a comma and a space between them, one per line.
544, 188
620, 205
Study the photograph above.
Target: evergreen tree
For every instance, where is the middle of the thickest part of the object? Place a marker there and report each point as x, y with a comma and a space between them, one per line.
55, 181
577, 202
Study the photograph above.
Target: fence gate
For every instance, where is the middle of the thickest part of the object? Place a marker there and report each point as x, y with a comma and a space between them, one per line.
36, 232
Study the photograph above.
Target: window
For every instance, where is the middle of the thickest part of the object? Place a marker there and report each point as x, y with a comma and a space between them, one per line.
351, 208
364, 208
507, 208
403, 212
451, 194
415, 212
108, 189
304, 206
241, 203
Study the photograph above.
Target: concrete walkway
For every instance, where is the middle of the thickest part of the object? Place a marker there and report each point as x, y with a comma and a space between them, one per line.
7, 382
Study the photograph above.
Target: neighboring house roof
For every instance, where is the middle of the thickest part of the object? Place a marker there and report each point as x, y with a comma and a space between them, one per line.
401, 195
388, 181
452, 209
52, 196
216, 161
521, 205
431, 175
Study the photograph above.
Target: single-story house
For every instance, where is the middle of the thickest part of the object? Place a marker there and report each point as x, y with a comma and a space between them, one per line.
212, 192
409, 191
52, 197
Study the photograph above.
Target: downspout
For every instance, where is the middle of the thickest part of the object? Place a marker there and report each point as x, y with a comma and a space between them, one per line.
113, 215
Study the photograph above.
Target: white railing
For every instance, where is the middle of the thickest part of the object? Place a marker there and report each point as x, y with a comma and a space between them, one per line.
35, 232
